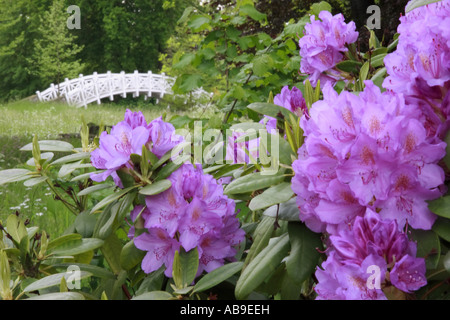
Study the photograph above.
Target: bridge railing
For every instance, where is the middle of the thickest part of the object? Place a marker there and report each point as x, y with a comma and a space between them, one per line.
87, 89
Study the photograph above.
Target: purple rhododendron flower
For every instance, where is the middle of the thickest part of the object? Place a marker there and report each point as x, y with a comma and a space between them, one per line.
163, 137
192, 213
128, 137
291, 100
323, 45
366, 151
369, 244
420, 66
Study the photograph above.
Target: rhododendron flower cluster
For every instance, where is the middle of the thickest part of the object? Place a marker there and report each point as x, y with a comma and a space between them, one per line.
368, 257
366, 151
365, 171
323, 46
192, 213
126, 138
420, 67
291, 100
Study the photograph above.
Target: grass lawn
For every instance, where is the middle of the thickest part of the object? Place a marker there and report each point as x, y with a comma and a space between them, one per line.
19, 121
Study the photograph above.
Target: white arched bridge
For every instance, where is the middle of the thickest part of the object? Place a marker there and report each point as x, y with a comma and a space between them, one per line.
84, 90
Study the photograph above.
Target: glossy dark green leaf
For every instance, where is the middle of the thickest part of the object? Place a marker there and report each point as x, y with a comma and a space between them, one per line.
156, 187
185, 266
130, 256
440, 206
428, 246
252, 182
304, 256
262, 266
50, 145
217, 276
277, 194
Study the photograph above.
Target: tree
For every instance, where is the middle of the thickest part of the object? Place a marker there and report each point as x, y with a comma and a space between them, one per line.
19, 22
56, 50
126, 35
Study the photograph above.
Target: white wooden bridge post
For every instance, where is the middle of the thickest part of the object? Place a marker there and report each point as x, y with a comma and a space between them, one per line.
66, 90
136, 83
95, 81
54, 94
83, 96
124, 84
110, 85
149, 84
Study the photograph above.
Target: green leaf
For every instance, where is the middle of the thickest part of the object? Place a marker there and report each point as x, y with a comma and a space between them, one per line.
349, 66
63, 239
186, 60
185, 266
50, 145
379, 76
287, 211
378, 60
304, 256
52, 280
68, 168
13, 175
442, 228
199, 22
85, 223
262, 266
276, 194
249, 10
75, 247
252, 182
130, 256
94, 270
111, 250
94, 188
418, 3
217, 276
59, 296
187, 12
105, 223
156, 187
440, 206
364, 72
189, 82
16, 228
316, 8
46, 156
170, 167
428, 246
262, 64
154, 295
269, 109
112, 197
34, 181
73, 157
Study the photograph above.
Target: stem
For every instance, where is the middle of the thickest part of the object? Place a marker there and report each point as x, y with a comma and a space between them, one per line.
68, 205
126, 292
